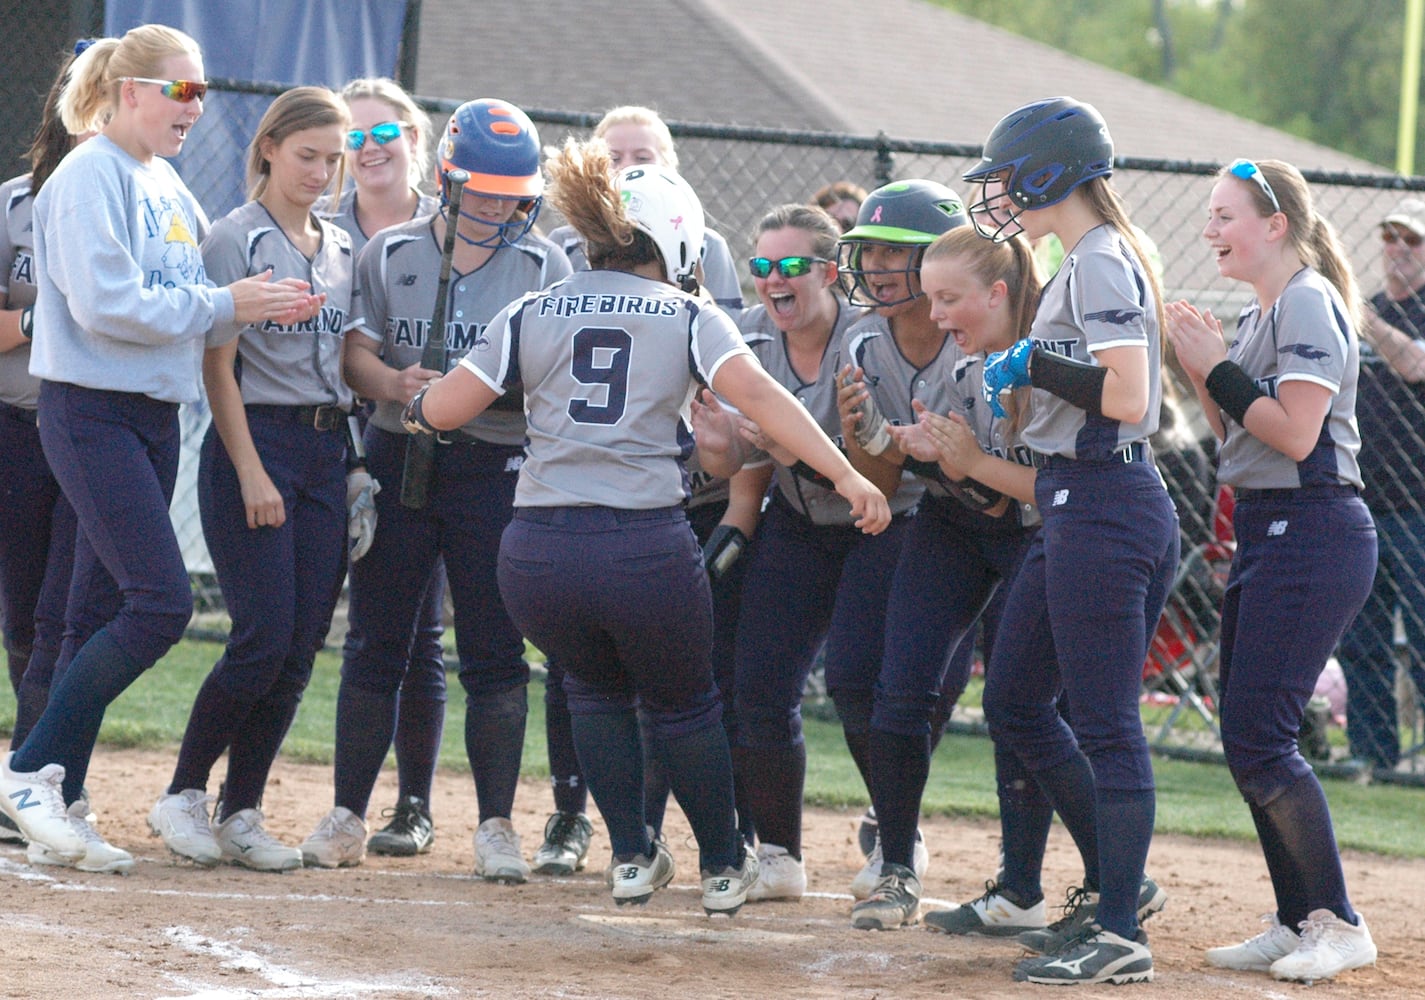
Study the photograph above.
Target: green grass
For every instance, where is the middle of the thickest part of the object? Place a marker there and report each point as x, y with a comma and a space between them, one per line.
1198, 799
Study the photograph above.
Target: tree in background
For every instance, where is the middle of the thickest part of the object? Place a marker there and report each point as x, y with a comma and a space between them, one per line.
1321, 69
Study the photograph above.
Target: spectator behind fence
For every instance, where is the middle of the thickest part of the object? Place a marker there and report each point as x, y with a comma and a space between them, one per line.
1390, 408
841, 200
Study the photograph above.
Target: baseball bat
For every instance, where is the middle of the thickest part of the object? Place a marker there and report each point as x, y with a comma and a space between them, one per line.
420, 448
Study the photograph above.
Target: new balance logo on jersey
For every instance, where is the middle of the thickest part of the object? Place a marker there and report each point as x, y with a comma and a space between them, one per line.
406, 280
1276, 529
1061, 497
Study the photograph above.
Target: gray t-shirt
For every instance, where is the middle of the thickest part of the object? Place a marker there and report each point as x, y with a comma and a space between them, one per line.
399, 271
297, 365
609, 362
1306, 335
1100, 298
124, 299
815, 500
17, 272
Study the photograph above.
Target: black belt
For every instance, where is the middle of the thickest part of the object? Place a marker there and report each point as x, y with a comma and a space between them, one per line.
19, 413
1129, 453
323, 418
1298, 493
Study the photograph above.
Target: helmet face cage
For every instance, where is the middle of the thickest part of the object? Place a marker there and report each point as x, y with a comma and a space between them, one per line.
1039, 153
498, 146
661, 204
909, 214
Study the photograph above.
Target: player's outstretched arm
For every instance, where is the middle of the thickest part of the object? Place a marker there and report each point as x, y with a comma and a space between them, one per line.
743, 382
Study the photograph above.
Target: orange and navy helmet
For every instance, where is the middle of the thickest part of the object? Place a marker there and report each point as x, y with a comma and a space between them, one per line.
498, 146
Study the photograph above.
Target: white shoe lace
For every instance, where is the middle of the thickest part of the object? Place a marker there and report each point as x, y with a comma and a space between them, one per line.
500, 840
196, 809
256, 834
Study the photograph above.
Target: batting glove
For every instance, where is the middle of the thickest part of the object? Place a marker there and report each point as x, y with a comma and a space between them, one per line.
361, 492
724, 548
1006, 371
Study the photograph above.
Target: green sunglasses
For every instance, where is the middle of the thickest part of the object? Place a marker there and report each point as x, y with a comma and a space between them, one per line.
382, 133
787, 267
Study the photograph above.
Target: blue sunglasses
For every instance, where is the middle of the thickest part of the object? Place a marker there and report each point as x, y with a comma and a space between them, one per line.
383, 133
1249, 171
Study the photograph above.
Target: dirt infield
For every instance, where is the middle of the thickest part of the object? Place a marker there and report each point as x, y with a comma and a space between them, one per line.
423, 927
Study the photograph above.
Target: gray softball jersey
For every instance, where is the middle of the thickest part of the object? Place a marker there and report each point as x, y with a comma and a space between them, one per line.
399, 271
124, 299
818, 503
343, 215
17, 270
297, 364
609, 362
1099, 299
1305, 336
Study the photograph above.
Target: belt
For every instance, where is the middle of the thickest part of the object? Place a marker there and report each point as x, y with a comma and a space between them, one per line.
1344, 490
20, 413
325, 417
1128, 454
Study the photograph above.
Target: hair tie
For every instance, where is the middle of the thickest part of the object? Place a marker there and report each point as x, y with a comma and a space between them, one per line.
83, 44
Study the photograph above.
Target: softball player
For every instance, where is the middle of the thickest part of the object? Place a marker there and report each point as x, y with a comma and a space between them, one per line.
271, 484
123, 305
599, 565
1097, 574
965, 538
37, 523
637, 135
1282, 401
497, 259
387, 156
806, 545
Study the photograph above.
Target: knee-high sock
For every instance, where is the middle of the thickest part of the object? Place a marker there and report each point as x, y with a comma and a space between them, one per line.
365, 721
656, 784
899, 766
1070, 787
494, 743
570, 795
775, 778
612, 764
420, 725
255, 747
1025, 816
699, 770
1128, 814
67, 730
1299, 843
212, 721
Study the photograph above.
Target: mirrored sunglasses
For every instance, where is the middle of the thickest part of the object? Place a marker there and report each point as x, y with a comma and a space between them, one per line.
1249, 171
382, 134
182, 91
1412, 240
787, 267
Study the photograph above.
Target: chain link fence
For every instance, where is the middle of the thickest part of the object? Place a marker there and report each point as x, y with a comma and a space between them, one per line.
742, 172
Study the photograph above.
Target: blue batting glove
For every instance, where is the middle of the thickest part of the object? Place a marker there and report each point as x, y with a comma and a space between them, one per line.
1006, 371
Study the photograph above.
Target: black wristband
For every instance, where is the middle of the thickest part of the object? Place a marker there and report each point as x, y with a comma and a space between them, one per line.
975, 494
1074, 382
27, 322
724, 547
413, 417
1232, 389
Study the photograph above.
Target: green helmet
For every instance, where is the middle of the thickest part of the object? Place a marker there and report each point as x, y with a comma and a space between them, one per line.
902, 213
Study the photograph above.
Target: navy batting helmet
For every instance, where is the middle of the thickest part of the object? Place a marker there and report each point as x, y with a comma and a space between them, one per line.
902, 213
1038, 153
497, 145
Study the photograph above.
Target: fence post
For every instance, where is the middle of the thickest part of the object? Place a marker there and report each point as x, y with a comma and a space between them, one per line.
410, 46
885, 160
